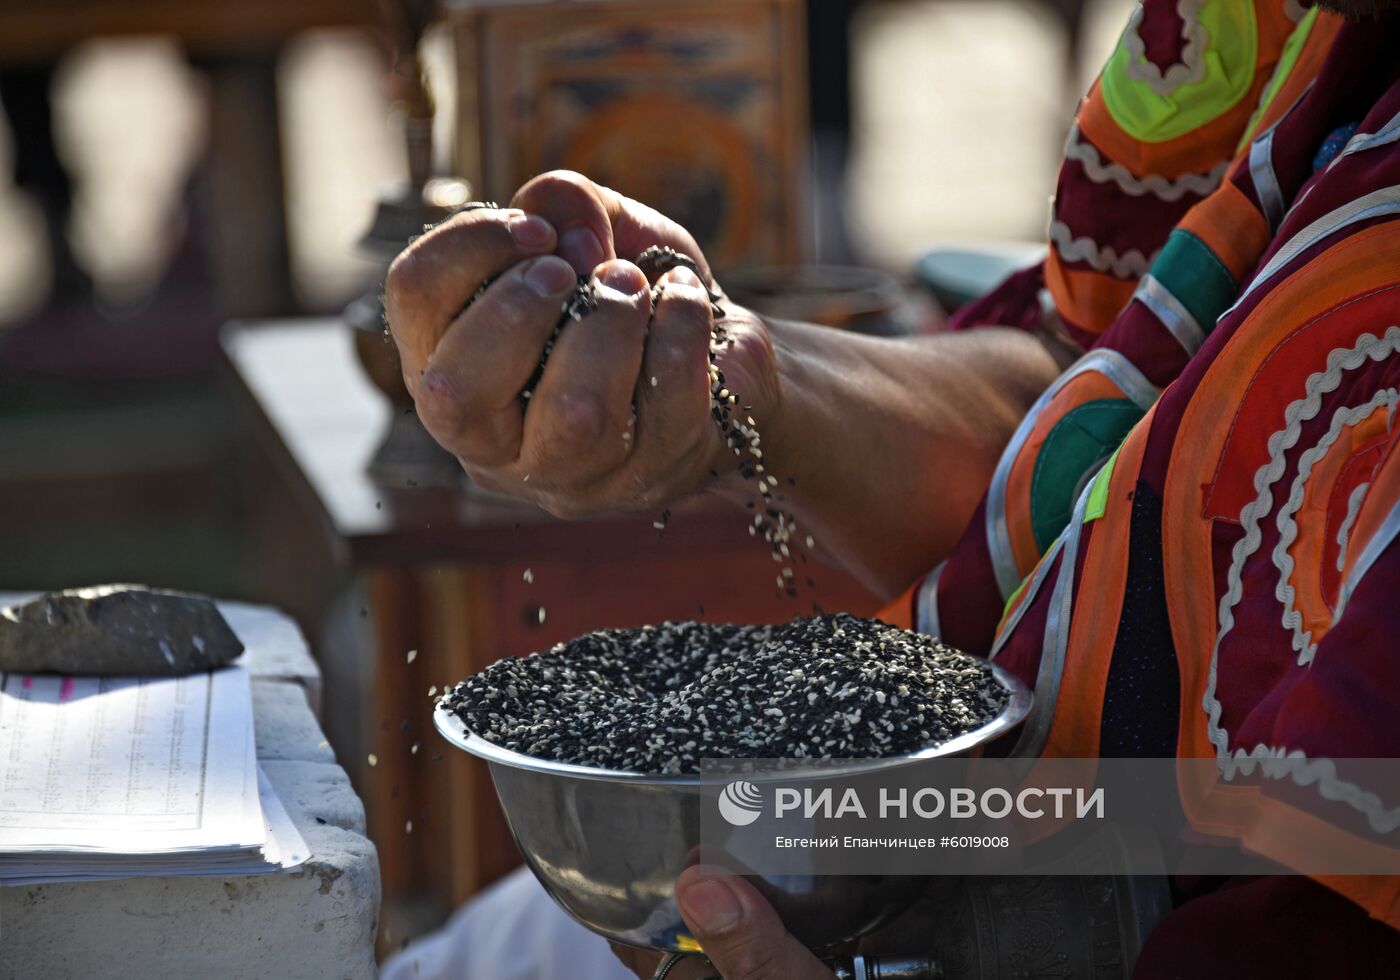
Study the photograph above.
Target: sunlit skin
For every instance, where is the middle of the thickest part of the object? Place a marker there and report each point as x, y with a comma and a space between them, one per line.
855, 427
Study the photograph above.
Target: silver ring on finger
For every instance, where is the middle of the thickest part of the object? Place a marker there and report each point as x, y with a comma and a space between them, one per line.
672, 960
667, 964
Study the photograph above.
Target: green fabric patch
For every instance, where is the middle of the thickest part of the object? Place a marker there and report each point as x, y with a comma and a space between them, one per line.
1011, 599
1192, 273
1288, 58
1077, 443
1098, 493
1227, 62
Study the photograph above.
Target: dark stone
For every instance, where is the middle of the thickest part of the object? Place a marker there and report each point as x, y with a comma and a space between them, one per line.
116, 630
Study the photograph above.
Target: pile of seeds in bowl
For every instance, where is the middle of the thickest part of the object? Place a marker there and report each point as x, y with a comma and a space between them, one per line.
658, 699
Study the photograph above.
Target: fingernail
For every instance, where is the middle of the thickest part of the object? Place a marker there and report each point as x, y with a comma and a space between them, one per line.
581, 249
710, 906
550, 276
625, 277
682, 276
531, 231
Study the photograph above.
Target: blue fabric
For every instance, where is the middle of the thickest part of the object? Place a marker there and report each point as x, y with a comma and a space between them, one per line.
1335, 142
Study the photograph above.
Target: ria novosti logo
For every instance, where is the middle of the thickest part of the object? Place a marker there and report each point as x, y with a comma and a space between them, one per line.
740, 803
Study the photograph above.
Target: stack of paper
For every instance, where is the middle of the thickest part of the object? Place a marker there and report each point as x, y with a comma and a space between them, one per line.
114, 777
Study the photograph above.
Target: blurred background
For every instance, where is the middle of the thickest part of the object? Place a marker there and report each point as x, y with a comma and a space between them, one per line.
168, 168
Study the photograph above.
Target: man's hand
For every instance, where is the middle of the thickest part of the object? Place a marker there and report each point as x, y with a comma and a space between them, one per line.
745, 939
739, 931
575, 446
883, 446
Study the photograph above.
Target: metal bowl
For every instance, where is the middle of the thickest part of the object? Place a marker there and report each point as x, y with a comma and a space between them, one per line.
607, 845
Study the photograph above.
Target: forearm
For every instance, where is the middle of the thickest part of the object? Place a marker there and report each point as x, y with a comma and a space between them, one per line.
890, 443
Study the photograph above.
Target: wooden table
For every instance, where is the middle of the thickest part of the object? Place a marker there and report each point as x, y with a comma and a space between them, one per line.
444, 571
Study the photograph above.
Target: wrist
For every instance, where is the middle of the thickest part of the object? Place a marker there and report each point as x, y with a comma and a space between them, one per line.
769, 366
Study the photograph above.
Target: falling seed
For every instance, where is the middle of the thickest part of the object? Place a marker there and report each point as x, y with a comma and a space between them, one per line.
653, 381
408, 827
432, 690
414, 749
412, 656
541, 614
373, 760
529, 576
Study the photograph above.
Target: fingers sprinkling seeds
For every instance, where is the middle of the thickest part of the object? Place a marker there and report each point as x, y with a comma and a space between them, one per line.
586, 388
432, 279
471, 404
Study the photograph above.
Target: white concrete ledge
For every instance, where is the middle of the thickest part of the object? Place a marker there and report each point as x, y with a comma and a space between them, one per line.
317, 922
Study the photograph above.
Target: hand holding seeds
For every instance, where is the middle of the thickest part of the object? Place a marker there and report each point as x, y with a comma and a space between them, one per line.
856, 426
583, 397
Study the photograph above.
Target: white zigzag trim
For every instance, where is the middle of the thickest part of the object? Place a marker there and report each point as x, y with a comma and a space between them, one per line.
1191, 68
1281, 762
1286, 594
1383, 538
1344, 532
1132, 264
1077, 148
